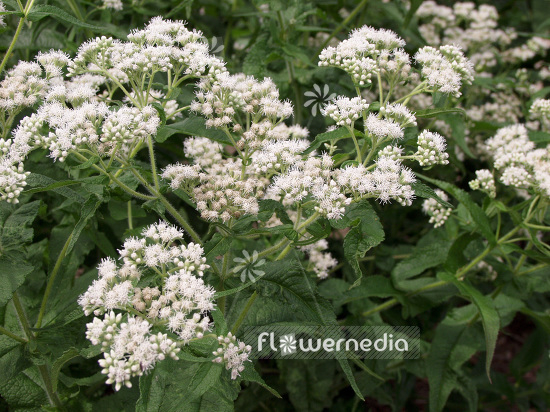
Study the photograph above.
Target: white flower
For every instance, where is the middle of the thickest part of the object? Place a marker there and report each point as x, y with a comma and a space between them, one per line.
232, 353
445, 69
177, 301
344, 111
431, 149
384, 128
437, 212
484, 182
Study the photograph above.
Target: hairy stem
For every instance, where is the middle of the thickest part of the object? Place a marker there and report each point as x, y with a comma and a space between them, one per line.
51, 280
9, 334
244, 312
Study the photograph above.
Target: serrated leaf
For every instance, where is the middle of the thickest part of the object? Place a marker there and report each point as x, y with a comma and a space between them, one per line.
487, 311
251, 375
40, 11
366, 233
41, 183
287, 284
439, 371
217, 246
430, 253
13, 272
14, 223
192, 126
337, 134
478, 215
426, 192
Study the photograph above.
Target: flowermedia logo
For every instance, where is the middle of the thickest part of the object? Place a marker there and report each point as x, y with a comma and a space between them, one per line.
329, 342
248, 266
318, 97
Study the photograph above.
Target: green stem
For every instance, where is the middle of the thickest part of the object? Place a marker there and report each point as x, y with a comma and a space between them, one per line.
52, 396
51, 280
12, 44
391, 302
12, 335
233, 142
244, 312
43, 369
342, 25
153, 163
357, 149
130, 223
172, 210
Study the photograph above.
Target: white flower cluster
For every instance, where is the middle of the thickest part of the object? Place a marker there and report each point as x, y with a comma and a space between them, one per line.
437, 212
76, 115
218, 186
485, 182
470, 27
22, 87
130, 347
162, 46
322, 261
12, 180
521, 163
2, 8
345, 111
445, 69
156, 96
232, 353
366, 53
175, 299
389, 180
540, 110
223, 100
431, 149
311, 179
113, 4
129, 126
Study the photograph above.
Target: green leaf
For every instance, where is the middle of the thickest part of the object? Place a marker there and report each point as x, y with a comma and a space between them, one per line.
268, 207
40, 11
88, 211
366, 233
431, 251
13, 272
175, 386
218, 245
436, 112
337, 134
219, 322
192, 126
58, 364
539, 137
415, 4
489, 315
426, 192
458, 127
23, 391
287, 294
41, 183
14, 223
441, 377
478, 215
251, 375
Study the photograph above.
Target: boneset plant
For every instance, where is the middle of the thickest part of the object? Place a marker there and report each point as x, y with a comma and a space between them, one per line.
166, 304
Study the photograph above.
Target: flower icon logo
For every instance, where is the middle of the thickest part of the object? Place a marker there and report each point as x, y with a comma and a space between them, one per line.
287, 343
216, 45
318, 98
248, 266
